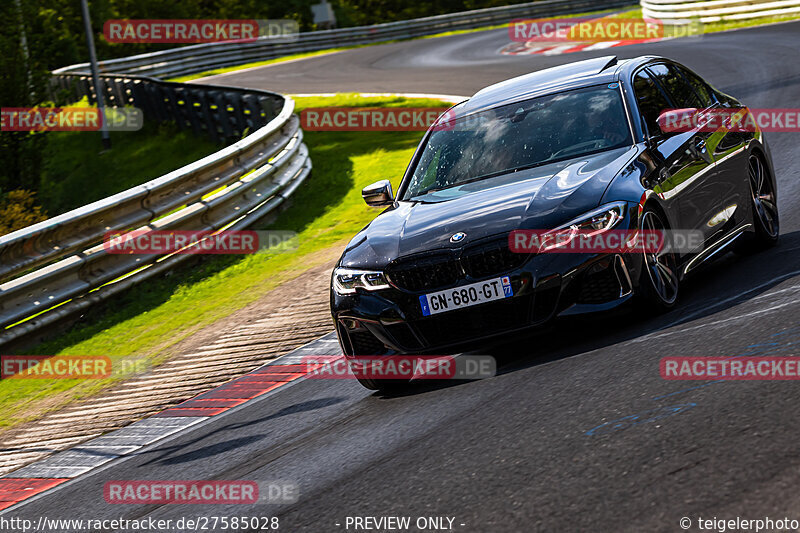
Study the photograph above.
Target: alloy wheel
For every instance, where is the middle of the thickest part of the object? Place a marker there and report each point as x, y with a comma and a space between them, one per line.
661, 265
763, 196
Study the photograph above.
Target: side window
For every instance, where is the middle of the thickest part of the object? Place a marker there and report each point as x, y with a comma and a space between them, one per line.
651, 101
702, 89
678, 89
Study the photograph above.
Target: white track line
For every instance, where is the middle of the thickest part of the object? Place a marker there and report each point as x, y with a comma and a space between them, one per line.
601, 45
691, 316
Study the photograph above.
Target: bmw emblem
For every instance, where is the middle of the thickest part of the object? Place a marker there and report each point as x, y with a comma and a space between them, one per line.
458, 237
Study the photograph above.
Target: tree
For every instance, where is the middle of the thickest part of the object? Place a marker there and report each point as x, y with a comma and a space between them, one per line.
23, 83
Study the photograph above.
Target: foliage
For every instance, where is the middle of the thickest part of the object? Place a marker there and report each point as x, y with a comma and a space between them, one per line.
23, 83
18, 209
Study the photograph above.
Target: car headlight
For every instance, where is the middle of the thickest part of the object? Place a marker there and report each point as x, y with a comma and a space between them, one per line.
592, 223
347, 280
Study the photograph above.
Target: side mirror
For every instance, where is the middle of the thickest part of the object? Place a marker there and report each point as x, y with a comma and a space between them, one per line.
378, 194
673, 121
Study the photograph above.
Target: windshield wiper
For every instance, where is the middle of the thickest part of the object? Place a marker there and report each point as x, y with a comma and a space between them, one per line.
464, 182
487, 176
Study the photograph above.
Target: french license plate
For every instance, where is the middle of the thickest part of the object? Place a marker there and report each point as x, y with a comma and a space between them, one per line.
466, 296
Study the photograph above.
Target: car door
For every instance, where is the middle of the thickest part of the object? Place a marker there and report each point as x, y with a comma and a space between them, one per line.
681, 161
728, 147
702, 192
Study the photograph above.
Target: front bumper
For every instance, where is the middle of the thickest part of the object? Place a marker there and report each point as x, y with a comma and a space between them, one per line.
546, 286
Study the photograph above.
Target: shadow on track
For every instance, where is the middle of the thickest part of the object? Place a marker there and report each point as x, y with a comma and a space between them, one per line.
165, 456
723, 283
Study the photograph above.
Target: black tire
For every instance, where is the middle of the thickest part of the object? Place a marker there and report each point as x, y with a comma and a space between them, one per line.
659, 282
764, 206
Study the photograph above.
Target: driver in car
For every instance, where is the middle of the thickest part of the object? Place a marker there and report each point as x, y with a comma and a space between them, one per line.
605, 127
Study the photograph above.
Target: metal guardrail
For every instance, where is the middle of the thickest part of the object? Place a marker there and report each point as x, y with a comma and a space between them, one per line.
717, 10
203, 57
61, 266
225, 114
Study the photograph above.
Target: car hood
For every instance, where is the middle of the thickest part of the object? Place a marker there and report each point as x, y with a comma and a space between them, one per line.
539, 198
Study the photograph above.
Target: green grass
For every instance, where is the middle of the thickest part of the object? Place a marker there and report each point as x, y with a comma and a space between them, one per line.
75, 173
145, 321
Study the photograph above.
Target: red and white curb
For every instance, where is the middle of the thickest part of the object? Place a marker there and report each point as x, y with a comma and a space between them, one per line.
557, 48
64, 466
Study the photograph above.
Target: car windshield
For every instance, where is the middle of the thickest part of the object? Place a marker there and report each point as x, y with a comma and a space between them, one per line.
520, 135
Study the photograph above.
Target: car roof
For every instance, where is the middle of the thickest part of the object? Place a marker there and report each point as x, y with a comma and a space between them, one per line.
593, 71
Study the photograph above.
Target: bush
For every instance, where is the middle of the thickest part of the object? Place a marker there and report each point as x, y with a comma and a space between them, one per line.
18, 209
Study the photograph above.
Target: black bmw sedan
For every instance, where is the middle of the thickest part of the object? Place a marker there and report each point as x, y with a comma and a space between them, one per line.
583, 147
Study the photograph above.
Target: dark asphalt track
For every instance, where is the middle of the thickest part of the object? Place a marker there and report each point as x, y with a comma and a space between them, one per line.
512, 453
